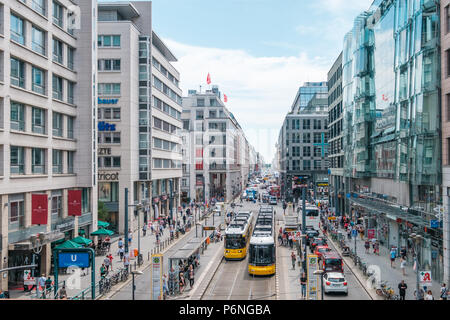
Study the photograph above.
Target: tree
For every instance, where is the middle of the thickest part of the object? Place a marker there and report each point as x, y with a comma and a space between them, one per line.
103, 212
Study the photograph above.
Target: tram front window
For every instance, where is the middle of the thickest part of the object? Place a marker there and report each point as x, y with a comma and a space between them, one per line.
262, 255
234, 242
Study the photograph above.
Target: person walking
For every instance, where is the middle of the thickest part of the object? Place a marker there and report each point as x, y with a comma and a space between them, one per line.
191, 276
126, 261
367, 246
121, 253
120, 243
420, 294
429, 295
130, 237
103, 271
172, 281
444, 292
294, 259
165, 289
402, 286
144, 230
403, 265
41, 286
182, 282
303, 280
48, 285
393, 255
376, 248
106, 263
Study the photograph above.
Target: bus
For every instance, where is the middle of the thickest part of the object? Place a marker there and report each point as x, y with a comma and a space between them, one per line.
261, 253
237, 237
312, 216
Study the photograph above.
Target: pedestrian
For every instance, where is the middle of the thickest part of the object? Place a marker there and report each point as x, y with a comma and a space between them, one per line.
402, 286
184, 219
403, 253
152, 228
172, 279
48, 285
294, 259
429, 295
393, 254
182, 282
120, 243
291, 241
377, 248
403, 266
41, 283
444, 292
103, 270
144, 230
420, 294
126, 261
191, 276
121, 253
110, 257
367, 246
106, 263
130, 237
165, 289
303, 280
62, 293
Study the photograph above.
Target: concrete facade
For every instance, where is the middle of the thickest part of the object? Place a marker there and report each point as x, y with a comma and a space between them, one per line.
48, 127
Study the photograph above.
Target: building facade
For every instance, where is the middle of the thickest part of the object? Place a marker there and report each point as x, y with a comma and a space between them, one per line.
303, 144
216, 162
139, 117
48, 132
336, 136
392, 145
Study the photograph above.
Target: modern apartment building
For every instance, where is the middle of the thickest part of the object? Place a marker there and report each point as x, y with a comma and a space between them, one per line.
336, 136
48, 177
445, 112
139, 116
303, 143
392, 127
214, 147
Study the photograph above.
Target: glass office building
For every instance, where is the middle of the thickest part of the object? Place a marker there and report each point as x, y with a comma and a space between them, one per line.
391, 87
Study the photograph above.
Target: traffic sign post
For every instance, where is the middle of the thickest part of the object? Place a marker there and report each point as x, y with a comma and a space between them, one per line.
75, 257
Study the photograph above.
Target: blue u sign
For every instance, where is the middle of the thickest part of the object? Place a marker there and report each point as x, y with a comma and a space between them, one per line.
70, 259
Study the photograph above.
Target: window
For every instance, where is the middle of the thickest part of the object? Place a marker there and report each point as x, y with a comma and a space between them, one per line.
38, 77
317, 152
57, 124
306, 165
17, 160
17, 73
306, 138
37, 161
109, 41
39, 6
307, 151
38, 119
70, 156
57, 51
447, 18
57, 161
56, 204
70, 127
57, 87
317, 124
306, 124
317, 164
200, 102
16, 214
116, 113
109, 89
17, 29
108, 191
109, 64
38, 40
317, 137
70, 57
17, 116
70, 92
57, 14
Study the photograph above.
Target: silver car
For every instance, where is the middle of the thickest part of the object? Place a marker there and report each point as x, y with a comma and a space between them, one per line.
335, 282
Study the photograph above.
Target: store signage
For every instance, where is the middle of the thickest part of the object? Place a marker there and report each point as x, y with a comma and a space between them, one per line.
425, 278
108, 176
107, 101
156, 277
71, 259
370, 233
312, 287
74, 203
39, 209
53, 236
66, 225
28, 280
104, 151
105, 126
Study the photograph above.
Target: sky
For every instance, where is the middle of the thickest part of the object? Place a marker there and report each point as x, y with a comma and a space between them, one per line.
259, 52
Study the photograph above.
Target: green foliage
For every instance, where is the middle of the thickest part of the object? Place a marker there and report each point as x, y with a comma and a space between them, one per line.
103, 212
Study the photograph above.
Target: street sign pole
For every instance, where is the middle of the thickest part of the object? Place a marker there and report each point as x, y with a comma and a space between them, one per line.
126, 221
304, 225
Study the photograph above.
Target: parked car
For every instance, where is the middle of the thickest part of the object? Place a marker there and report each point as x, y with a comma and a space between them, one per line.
335, 282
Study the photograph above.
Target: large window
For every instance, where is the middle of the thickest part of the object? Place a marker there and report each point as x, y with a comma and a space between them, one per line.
57, 124
39, 6
57, 207
70, 92
16, 214
57, 14
17, 29
38, 40
109, 64
37, 161
70, 157
38, 77
17, 116
38, 120
57, 87
70, 57
108, 191
70, 121
109, 162
108, 41
17, 160
17, 73
108, 89
57, 161
57, 51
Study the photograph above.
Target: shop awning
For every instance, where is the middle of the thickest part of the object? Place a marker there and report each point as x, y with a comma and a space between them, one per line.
102, 232
102, 224
82, 240
69, 245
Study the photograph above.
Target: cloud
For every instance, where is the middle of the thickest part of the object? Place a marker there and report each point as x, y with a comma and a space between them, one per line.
260, 89
339, 7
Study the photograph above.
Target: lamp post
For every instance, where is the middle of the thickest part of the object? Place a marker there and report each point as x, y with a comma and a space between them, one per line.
320, 273
416, 239
133, 273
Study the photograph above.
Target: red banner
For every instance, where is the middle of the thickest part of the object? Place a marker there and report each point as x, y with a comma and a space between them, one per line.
74, 205
39, 209
370, 233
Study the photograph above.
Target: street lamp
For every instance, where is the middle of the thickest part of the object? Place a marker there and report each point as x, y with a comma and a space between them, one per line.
416, 239
133, 273
320, 273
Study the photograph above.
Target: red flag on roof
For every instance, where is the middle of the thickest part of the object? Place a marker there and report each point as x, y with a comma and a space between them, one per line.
225, 98
208, 79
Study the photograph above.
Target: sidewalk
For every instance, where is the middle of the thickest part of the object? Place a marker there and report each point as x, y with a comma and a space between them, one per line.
393, 276
147, 243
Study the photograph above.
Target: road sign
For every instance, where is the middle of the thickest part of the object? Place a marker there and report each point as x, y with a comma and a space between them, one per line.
354, 233
434, 224
311, 266
69, 259
425, 278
